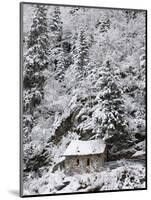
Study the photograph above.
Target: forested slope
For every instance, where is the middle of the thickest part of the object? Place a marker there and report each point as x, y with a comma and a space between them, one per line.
83, 77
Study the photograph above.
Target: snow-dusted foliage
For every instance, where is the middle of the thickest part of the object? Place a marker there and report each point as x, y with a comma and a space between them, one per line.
84, 77
55, 25
124, 176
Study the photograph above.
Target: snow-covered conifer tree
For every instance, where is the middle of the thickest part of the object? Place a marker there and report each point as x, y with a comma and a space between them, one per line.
35, 62
36, 58
110, 113
58, 60
80, 54
55, 26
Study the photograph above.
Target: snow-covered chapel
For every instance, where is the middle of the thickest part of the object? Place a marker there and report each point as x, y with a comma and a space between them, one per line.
85, 156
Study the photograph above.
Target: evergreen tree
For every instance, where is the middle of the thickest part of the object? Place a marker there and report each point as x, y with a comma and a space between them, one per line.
36, 61
58, 60
80, 54
35, 66
36, 58
56, 26
57, 54
110, 113
73, 45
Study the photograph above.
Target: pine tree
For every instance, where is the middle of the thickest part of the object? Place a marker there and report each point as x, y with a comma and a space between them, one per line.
56, 26
56, 53
35, 62
35, 67
110, 113
80, 54
73, 45
59, 65
36, 58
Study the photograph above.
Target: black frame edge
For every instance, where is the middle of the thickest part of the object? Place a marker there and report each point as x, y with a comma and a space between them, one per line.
20, 98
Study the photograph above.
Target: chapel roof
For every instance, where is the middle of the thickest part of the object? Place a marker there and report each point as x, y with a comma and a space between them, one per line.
90, 147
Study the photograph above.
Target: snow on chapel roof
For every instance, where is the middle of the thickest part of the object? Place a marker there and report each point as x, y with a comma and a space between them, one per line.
79, 147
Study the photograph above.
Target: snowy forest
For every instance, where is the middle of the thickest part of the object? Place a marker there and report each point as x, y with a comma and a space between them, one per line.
84, 72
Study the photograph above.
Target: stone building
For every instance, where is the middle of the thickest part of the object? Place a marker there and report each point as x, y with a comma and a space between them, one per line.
85, 156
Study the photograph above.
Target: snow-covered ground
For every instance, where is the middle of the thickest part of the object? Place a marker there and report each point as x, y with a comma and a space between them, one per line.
127, 175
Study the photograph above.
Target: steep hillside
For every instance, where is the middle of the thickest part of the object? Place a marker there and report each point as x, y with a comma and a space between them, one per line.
84, 78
